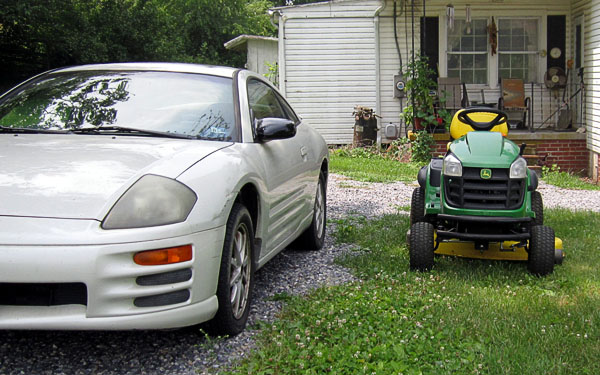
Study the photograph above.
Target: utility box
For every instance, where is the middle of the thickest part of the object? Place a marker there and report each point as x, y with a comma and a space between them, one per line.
399, 86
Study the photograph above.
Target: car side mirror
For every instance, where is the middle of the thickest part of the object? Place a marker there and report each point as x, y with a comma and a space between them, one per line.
274, 128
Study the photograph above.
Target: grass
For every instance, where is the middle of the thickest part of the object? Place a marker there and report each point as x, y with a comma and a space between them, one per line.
554, 176
364, 165
463, 317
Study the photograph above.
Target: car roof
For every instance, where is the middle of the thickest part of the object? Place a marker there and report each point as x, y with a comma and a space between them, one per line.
221, 71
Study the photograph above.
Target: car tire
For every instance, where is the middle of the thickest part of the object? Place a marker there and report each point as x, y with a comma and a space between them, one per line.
236, 274
537, 206
313, 237
420, 241
417, 206
541, 250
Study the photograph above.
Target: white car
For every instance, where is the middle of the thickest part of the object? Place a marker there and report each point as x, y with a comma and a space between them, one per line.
145, 195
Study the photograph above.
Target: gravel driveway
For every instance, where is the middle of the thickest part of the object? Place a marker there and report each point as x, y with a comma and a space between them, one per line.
186, 352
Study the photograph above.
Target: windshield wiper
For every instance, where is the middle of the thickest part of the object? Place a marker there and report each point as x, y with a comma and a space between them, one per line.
6, 129
111, 130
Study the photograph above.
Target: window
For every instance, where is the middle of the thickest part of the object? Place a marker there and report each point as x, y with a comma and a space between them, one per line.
263, 101
467, 51
195, 105
518, 48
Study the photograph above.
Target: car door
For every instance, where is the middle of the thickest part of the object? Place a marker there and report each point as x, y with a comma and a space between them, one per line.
287, 167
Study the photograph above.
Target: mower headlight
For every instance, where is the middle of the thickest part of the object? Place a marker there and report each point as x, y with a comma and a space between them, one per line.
518, 168
151, 201
452, 166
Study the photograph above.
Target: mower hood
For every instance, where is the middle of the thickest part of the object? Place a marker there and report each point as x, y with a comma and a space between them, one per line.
485, 149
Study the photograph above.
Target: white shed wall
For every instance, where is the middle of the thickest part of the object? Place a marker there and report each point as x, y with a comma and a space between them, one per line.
259, 53
329, 63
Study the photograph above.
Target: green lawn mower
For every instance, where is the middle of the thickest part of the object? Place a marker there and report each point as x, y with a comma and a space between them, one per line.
480, 200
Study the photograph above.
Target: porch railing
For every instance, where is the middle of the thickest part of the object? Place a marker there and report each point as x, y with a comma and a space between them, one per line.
550, 109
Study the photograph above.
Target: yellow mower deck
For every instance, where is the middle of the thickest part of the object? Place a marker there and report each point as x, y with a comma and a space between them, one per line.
496, 250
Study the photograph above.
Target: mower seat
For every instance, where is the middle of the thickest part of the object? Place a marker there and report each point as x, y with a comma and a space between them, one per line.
459, 129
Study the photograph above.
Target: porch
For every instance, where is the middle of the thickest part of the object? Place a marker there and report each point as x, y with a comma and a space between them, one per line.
568, 150
558, 108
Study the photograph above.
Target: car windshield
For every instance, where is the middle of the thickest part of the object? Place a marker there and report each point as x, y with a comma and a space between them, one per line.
194, 105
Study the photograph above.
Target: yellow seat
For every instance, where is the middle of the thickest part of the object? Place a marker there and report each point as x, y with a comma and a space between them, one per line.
459, 129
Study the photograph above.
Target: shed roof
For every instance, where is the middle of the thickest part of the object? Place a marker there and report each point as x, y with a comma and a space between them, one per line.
239, 42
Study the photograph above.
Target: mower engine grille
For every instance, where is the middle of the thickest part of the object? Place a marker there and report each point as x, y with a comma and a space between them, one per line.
473, 192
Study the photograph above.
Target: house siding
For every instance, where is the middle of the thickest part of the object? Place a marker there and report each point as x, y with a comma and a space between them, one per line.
391, 107
590, 10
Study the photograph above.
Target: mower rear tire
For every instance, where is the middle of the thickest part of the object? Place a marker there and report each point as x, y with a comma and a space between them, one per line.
420, 244
541, 250
417, 206
537, 206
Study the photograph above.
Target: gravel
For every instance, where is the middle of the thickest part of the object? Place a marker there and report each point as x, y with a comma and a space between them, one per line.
188, 352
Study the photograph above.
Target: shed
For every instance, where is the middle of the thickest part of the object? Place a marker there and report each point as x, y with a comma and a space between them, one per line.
261, 51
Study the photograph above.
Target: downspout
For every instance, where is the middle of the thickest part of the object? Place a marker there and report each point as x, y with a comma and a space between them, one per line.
378, 68
280, 25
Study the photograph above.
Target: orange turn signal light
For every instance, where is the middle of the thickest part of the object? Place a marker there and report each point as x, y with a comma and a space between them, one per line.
164, 256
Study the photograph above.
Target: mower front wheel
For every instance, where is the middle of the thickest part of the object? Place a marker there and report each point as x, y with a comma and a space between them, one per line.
417, 206
537, 205
541, 250
420, 244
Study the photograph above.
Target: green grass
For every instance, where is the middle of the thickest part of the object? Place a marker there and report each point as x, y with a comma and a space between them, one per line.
554, 176
464, 317
369, 167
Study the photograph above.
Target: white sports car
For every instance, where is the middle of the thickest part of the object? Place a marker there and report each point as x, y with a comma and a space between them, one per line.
145, 195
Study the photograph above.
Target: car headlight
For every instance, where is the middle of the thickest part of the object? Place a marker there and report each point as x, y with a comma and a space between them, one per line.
151, 201
452, 166
518, 169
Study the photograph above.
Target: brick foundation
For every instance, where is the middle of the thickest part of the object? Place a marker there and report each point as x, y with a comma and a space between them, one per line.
567, 150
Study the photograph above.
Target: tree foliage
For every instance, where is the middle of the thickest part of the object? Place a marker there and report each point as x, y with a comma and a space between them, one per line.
37, 35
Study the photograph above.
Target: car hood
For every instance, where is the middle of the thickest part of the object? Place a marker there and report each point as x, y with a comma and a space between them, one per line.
81, 176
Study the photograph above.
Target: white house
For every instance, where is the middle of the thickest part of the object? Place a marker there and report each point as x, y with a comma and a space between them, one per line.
337, 54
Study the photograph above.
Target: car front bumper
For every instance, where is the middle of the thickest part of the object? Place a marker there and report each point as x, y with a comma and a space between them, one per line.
114, 297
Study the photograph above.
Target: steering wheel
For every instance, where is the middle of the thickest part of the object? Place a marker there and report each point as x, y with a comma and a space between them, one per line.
501, 117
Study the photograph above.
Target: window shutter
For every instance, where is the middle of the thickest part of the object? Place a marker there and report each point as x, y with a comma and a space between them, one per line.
430, 41
556, 38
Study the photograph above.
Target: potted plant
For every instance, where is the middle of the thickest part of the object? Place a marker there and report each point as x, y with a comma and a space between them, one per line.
421, 94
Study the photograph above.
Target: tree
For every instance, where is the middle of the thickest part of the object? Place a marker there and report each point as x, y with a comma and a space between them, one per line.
38, 35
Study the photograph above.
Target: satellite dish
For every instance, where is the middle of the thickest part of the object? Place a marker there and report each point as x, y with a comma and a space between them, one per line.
555, 78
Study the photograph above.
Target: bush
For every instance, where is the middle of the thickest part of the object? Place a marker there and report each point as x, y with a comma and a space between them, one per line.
421, 147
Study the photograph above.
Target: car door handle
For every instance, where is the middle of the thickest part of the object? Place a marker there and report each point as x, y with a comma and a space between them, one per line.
303, 151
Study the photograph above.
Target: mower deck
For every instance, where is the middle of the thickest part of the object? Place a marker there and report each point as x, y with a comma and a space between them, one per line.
496, 251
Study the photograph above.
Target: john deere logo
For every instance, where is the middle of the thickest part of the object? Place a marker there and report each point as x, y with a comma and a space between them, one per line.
486, 174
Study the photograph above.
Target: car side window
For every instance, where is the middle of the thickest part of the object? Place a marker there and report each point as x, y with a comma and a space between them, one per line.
288, 110
264, 101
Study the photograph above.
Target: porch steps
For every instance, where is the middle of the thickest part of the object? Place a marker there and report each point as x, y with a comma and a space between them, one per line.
533, 159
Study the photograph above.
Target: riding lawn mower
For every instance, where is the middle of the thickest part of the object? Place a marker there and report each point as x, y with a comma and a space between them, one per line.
480, 200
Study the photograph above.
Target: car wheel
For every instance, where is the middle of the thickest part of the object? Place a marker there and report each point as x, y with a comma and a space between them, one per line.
541, 250
420, 241
313, 237
537, 205
417, 206
236, 275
